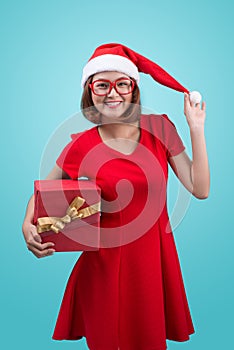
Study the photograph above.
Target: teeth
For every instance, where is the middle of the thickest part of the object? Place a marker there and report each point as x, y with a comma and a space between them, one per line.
113, 103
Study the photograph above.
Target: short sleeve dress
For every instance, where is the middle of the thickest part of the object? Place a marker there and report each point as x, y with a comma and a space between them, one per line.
128, 295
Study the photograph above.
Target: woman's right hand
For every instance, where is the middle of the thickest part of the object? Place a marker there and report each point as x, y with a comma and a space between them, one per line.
33, 241
31, 236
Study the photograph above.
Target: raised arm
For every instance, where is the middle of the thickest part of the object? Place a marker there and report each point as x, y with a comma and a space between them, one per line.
194, 174
32, 238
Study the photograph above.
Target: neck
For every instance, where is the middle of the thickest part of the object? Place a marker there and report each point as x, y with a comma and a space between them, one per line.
120, 130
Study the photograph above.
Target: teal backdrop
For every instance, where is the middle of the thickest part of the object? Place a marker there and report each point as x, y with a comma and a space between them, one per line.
44, 45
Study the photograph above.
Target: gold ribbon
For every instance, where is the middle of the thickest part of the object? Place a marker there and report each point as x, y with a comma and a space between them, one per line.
73, 212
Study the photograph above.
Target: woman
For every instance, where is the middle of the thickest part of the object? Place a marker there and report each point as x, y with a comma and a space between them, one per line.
129, 294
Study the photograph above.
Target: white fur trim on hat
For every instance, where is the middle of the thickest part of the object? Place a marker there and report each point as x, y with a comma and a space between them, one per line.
110, 63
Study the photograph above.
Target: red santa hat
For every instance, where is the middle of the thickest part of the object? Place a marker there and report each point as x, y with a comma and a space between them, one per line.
117, 57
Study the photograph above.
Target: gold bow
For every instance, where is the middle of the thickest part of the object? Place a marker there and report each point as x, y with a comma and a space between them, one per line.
55, 224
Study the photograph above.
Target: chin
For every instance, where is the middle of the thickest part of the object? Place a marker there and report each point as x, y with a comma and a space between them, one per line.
111, 119
113, 115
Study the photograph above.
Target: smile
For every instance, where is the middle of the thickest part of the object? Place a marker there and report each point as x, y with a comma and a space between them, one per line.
113, 104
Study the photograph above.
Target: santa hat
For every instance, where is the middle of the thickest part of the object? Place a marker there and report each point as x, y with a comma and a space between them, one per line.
117, 57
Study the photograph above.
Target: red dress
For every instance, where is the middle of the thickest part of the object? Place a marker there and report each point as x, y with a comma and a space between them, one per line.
129, 294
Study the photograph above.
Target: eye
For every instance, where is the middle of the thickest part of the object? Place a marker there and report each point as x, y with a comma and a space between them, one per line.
122, 83
101, 85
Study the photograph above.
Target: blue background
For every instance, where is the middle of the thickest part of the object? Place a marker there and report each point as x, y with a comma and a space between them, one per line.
44, 45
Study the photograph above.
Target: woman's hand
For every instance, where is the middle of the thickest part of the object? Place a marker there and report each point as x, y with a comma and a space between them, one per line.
195, 113
195, 173
33, 241
31, 236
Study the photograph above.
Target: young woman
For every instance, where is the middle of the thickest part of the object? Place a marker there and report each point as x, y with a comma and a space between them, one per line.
128, 295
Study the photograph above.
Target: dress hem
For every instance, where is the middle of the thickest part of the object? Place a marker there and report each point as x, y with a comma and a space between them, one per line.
79, 337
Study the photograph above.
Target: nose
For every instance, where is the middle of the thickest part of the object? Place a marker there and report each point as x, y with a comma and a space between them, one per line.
113, 92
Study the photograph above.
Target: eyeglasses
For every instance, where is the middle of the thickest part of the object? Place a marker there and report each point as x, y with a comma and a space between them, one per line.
102, 87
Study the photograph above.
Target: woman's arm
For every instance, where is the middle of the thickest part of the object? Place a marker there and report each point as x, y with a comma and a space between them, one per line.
194, 174
32, 238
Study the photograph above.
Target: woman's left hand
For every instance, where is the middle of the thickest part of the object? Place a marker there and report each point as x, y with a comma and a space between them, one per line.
195, 113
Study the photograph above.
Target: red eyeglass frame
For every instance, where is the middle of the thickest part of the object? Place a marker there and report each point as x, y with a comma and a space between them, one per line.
112, 85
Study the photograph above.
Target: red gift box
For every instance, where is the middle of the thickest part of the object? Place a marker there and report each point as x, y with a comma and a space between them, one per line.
67, 212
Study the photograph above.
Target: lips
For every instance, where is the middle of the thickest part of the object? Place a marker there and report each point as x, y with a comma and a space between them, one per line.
113, 104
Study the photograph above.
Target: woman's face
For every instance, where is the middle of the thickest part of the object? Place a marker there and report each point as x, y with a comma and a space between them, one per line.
113, 105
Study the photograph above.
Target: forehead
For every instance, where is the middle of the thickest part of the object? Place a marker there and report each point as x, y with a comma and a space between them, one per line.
109, 75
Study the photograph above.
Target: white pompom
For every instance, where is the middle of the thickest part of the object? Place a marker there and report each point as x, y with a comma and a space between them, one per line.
195, 97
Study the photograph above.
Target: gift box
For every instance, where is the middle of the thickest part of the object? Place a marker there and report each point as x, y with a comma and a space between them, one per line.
67, 212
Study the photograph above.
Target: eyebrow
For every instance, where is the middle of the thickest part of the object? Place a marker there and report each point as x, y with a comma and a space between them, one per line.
101, 78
